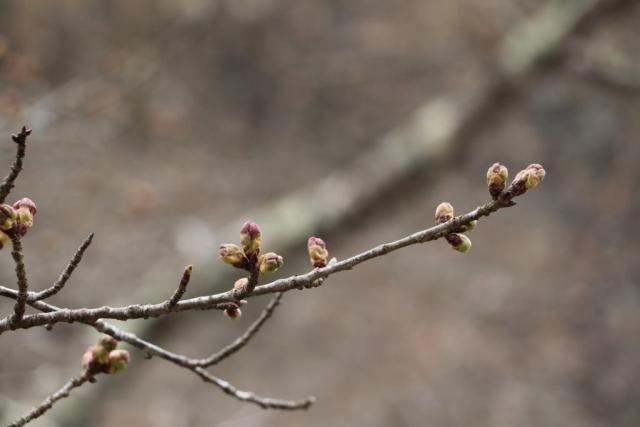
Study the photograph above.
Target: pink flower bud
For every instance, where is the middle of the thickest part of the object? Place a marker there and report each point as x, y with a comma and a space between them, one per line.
26, 203
250, 238
496, 179
318, 253
528, 178
444, 212
269, 262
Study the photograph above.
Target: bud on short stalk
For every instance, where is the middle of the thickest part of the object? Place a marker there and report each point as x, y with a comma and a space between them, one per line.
528, 178
496, 179
444, 213
318, 254
250, 238
269, 262
232, 254
459, 242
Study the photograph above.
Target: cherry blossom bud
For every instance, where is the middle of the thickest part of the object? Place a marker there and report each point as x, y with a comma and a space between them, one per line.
459, 242
118, 361
233, 313
26, 203
496, 179
444, 212
269, 262
318, 253
528, 178
250, 238
232, 254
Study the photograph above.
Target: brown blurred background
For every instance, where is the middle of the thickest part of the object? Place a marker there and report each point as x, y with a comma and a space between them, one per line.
161, 124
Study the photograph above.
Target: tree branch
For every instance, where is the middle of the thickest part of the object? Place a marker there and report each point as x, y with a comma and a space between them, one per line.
309, 279
9, 181
23, 285
52, 399
66, 274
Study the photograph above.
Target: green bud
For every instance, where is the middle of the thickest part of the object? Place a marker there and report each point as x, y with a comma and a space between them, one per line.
118, 361
231, 254
459, 242
269, 262
318, 253
444, 212
496, 179
250, 238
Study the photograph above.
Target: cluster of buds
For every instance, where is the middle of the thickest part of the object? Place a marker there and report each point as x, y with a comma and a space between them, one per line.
526, 179
318, 253
16, 219
246, 257
103, 357
457, 240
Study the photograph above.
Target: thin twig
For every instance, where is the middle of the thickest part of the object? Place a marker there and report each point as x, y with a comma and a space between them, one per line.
177, 359
309, 279
243, 339
52, 399
9, 181
66, 274
182, 288
23, 284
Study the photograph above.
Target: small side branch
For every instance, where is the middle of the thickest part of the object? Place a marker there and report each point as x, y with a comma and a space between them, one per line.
66, 274
23, 284
182, 288
247, 396
242, 340
9, 181
51, 400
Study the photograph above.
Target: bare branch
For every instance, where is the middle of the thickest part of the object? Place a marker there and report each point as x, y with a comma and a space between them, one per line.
178, 359
242, 340
66, 274
9, 181
23, 284
52, 399
307, 280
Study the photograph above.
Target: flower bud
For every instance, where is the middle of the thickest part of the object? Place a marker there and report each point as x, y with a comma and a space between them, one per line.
231, 254
118, 361
528, 178
318, 253
269, 262
105, 345
250, 238
496, 178
8, 217
233, 313
444, 212
26, 203
4, 239
241, 284
459, 242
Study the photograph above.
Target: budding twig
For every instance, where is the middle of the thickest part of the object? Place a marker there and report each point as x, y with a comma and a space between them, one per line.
309, 279
48, 403
66, 273
8, 182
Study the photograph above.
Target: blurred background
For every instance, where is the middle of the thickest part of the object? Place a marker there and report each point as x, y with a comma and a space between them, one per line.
162, 125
